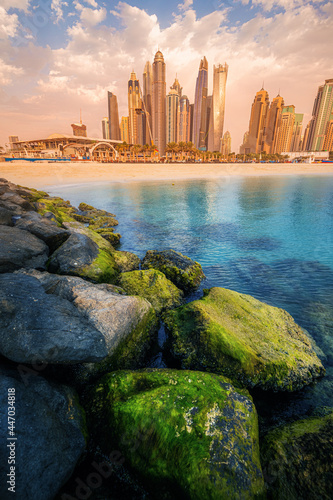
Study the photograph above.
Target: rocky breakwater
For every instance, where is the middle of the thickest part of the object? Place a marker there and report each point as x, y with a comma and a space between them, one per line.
78, 321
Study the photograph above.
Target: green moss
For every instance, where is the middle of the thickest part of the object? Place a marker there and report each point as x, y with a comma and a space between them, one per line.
295, 459
100, 222
102, 270
241, 337
110, 236
153, 286
186, 433
126, 261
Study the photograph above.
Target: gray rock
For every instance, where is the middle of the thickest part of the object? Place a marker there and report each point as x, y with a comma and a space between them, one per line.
13, 198
21, 249
184, 272
50, 432
6, 216
39, 326
76, 253
44, 229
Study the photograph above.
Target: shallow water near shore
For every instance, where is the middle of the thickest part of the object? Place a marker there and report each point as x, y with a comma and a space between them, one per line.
270, 237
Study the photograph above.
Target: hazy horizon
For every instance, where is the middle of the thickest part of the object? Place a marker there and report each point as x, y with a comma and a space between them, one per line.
57, 57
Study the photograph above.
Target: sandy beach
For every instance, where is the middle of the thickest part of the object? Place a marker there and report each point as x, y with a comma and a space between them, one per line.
43, 174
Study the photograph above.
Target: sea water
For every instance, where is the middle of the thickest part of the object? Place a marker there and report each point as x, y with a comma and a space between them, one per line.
270, 237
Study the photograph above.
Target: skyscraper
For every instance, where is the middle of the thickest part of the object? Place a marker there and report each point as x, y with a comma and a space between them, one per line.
328, 142
257, 123
135, 122
218, 105
199, 109
272, 123
114, 132
147, 100
296, 137
158, 102
124, 129
226, 144
172, 100
322, 114
176, 86
105, 128
183, 120
284, 134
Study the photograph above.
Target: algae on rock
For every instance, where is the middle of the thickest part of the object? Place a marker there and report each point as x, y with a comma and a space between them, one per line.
181, 270
236, 335
153, 286
187, 434
297, 460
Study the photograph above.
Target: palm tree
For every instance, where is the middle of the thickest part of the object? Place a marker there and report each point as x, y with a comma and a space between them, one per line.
171, 148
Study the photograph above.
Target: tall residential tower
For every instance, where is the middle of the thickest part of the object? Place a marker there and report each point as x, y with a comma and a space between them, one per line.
158, 103
199, 111
218, 105
135, 126
114, 130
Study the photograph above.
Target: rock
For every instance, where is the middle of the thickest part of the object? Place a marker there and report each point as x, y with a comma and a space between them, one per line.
77, 253
236, 335
126, 261
181, 270
44, 228
50, 431
21, 249
35, 325
15, 200
297, 461
6, 216
153, 286
126, 324
187, 434
110, 236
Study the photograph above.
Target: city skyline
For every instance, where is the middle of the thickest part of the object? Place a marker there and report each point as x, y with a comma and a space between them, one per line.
54, 62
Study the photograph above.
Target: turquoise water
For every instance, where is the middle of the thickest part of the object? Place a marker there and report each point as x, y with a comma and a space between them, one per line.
271, 237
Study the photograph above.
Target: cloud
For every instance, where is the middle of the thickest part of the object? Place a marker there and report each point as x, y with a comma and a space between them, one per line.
15, 4
92, 17
57, 7
8, 72
8, 24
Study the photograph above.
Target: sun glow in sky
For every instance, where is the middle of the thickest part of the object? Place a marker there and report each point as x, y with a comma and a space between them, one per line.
57, 57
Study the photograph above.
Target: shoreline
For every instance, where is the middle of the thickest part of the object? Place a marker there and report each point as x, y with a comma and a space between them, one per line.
61, 174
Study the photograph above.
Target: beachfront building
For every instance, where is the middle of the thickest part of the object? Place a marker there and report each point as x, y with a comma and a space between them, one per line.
124, 136
184, 120
322, 113
226, 144
158, 103
199, 109
65, 146
296, 138
272, 123
135, 113
172, 100
328, 141
259, 111
105, 128
147, 102
114, 132
285, 131
79, 129
220, 73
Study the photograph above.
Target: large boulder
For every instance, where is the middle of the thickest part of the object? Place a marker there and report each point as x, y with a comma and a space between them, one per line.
49, 436
21, 249
35, 325
181, 270
153, 286
44, 228
236, 335
297, 460
126, 261
187, 434
121, 327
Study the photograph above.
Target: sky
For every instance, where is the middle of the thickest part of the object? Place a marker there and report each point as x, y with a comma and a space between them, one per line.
57, 57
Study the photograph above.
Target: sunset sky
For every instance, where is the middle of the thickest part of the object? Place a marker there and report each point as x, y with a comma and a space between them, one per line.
57, 57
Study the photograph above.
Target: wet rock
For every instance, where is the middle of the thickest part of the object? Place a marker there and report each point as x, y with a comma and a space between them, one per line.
74, 255
126, 261
153, 286
50, 431
187, 434
296, 460
236, 335
21, 249
181, 270
44, 228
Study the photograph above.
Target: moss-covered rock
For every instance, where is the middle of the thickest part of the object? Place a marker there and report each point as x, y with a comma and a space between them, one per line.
181, 270
153, 286
126, 261
109, 235
188, 434
236, 335
297, 460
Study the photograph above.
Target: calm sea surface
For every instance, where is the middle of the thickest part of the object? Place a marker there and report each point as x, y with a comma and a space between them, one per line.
271, 237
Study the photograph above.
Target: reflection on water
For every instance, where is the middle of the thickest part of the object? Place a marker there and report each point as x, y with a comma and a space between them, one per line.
271, 237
